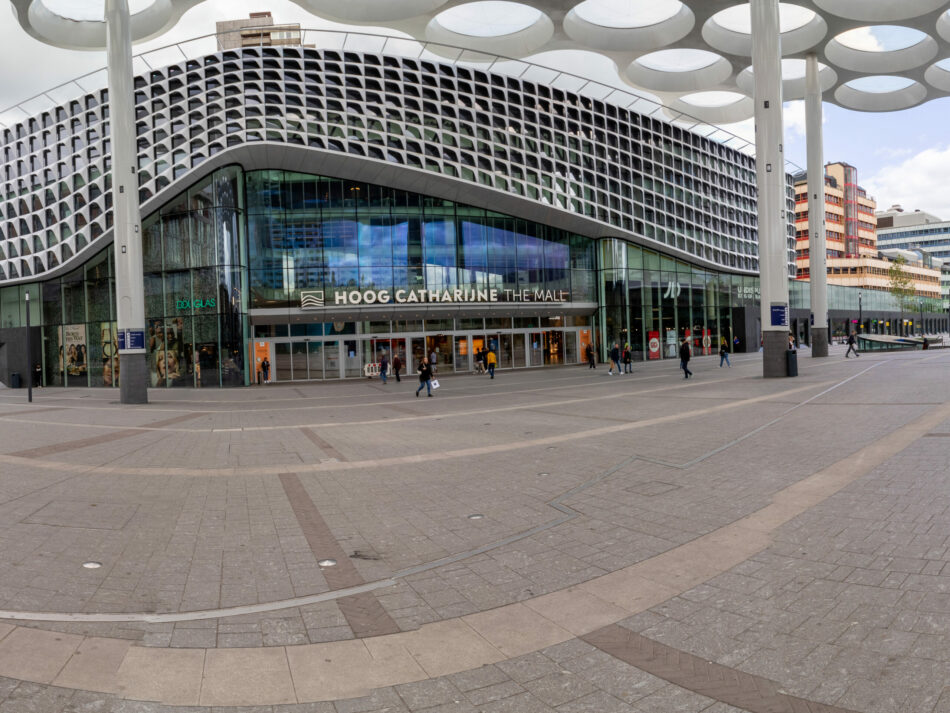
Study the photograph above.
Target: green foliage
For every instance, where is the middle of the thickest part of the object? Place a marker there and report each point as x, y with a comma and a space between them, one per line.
901, 284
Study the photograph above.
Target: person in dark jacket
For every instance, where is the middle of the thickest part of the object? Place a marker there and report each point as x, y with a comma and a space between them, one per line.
614, 359
591, 363
397, 366
684, 359
852, 346
384, 368
627, 358
425, 377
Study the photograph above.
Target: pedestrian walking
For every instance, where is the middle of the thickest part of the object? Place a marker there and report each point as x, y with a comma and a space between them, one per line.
724, 354
491, 360
852, 345
383, 368
684, 359
627, 358
614, 359
425, 377
397, 365
480, 361
591, 362
434, 361
265, 370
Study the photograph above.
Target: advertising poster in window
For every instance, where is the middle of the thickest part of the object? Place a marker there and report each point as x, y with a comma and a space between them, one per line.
74, 342
653, 345
110, 354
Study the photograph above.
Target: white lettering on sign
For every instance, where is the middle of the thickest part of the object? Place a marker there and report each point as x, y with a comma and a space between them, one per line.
453, 296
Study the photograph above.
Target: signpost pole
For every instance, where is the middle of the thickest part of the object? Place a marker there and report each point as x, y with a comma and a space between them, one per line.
29, 353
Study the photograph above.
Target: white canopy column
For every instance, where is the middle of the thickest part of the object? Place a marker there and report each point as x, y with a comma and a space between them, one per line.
770, 176
129, 280
817, 254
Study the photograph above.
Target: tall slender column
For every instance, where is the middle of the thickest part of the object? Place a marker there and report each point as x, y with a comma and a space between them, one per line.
817, 254
129, 279
770, 177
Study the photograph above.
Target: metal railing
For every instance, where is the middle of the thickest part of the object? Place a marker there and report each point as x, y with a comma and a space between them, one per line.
347, 40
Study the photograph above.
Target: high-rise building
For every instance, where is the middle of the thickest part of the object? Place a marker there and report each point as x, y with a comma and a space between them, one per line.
853, 255
258, 29
922, 233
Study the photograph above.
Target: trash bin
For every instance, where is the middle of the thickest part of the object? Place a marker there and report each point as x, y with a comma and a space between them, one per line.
791, 362
15, 380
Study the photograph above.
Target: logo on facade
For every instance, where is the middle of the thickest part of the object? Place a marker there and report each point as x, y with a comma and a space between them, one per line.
673, 290
311, 299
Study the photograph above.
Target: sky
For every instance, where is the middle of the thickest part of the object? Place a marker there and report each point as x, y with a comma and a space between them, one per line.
902, 157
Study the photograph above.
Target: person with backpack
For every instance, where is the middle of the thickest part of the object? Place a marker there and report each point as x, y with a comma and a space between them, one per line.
724, 354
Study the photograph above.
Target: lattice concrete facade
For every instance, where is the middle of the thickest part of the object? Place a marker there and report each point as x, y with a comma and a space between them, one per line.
452, 130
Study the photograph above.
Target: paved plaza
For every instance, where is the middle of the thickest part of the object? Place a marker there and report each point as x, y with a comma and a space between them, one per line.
550, 540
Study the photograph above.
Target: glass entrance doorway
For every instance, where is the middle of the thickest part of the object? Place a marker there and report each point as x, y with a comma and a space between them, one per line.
315, 359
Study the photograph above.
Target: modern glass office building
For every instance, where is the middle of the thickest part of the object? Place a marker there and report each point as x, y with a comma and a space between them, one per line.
316, 209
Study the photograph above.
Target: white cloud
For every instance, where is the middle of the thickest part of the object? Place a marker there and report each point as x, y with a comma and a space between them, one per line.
793, 116
917, 182
861, 38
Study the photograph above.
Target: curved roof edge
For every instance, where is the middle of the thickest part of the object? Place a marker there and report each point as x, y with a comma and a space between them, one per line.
304, 159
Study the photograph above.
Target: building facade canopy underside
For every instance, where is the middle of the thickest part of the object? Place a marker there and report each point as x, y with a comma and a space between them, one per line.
694, 55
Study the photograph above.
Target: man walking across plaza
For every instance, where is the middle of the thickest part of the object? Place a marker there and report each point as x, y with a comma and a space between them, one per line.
684, 359
852, 346
614, 359
591, 363
397, 366
627, 358
425, 377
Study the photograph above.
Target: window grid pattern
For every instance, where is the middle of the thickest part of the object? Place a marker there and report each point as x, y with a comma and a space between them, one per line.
644, 178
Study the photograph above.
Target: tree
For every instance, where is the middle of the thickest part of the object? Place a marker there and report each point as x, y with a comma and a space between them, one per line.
901, 286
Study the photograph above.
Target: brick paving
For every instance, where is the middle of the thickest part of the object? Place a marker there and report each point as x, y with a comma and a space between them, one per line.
578, 476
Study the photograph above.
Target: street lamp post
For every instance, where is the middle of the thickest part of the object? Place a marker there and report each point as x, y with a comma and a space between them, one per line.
920, 307
29, 354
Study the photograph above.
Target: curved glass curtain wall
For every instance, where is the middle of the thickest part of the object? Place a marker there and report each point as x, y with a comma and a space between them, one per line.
646, 295
315, 232
195, 298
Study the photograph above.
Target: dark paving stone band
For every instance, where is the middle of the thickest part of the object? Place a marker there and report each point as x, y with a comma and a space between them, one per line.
721, 683
363, 612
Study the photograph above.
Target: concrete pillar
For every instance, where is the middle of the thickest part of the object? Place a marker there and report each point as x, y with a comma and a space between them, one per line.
129, 280
817, 254
770, 177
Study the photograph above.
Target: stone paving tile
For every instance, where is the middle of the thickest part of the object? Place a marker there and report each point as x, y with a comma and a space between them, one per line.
851, 591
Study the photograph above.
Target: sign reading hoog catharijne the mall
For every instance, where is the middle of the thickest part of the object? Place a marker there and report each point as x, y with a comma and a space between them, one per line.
314, 299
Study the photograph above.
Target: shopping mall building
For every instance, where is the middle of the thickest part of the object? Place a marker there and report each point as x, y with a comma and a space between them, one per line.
318, 208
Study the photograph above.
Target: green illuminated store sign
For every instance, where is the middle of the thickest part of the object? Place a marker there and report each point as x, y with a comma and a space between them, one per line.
195, 304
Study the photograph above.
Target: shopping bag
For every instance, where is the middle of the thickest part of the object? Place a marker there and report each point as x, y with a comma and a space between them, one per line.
435, 383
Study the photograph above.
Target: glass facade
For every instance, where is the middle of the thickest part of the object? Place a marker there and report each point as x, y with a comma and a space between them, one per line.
319, 233
238, 248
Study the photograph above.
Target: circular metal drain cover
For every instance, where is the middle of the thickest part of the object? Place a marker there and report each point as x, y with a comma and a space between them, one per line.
92, 565
327, 563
